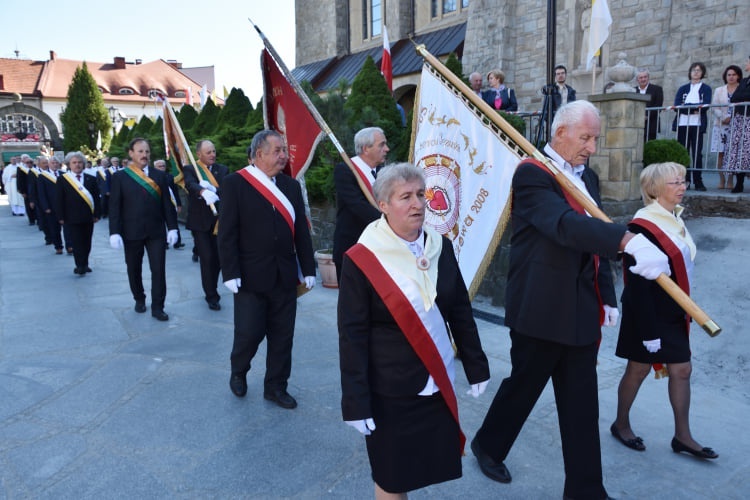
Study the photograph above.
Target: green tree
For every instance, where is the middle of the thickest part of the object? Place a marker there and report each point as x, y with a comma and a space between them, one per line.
235, 110
186, 117
453, 63
372, 105
84, 116
207, 120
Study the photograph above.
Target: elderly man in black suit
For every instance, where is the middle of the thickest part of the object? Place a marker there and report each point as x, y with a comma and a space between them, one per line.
139, 208
204, 191
656, 94
77, 208
552, 307
265, 249
353, 211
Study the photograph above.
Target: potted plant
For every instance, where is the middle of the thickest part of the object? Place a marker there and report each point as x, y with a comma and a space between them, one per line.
327, 268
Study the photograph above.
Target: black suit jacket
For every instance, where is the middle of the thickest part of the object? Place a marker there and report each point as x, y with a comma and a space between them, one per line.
557, 97
200, 217
704, 91
71, 207
353, 211
22, 173
656, 95
255, 242
374, 354
47, 194
550, 293
135, 214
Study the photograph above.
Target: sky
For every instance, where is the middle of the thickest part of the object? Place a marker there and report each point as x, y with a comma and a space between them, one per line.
195, 33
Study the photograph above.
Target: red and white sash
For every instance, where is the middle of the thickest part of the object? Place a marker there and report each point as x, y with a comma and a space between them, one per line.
414, 320
267, 188
364, 171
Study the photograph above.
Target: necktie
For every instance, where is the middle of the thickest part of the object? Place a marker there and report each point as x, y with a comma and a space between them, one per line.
375, 173
78, 176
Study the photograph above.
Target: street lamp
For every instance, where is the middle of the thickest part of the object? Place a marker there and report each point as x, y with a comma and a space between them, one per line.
92, 143
113, 115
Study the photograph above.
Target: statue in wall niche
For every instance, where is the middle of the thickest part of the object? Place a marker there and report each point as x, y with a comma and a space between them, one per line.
585, 28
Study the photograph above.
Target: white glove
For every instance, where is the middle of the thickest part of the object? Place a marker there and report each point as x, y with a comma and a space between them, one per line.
309, 282
652, 345
171, 237
650, 262
233, 285
363, 426
115, 241
611, 314
477, 389
207, 185
209, 197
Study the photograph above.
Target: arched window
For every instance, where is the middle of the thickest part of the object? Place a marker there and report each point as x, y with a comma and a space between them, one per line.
126, 91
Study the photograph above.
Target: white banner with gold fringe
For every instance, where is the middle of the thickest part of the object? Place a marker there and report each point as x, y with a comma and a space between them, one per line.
468, 169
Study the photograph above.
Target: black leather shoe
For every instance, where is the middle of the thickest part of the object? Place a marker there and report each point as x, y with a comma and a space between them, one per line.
493, 470
79, 270
700, 188
238, 384
214, 306
88, 269
140, 307
737, 189
281, 398
706, 452
159, 314
195, 258
635, 443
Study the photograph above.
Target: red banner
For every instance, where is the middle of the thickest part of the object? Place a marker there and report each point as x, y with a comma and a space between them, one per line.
287, 114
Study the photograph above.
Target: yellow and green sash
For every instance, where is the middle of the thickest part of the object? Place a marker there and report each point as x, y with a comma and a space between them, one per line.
145, 181
206, 174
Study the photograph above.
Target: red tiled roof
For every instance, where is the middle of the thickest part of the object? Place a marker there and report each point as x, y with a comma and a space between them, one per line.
141, 78
20, 75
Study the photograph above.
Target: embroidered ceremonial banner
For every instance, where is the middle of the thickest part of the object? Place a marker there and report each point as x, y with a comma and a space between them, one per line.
468, 170
175, 145
286, 113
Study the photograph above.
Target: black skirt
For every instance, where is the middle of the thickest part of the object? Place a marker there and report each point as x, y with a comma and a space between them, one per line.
415, 444
675, 344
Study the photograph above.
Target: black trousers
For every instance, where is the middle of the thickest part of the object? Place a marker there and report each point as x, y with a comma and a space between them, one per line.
30, 213
573, 373
692, 138
53, 230
208, 252
157, 253
80, 235
265, 314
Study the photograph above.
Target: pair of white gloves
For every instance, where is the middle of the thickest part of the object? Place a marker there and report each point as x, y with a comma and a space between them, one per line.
208, 193
115, 240
234, 284
367, 425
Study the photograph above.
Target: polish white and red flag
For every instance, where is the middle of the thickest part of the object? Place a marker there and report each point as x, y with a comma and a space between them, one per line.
386, 68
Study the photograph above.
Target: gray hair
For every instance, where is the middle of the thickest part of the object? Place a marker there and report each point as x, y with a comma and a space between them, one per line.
642, 70
655, 176
200, 144
160, 162
260, 140
74, 154
572, 113
392, 174
365, 137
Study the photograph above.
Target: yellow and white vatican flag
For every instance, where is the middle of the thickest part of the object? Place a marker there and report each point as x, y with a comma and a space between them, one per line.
468, 169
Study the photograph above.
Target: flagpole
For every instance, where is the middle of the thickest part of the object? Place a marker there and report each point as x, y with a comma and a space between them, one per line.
525, 147
173, 117
315, 113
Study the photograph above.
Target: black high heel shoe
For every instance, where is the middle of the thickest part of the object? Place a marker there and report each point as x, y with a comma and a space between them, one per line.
706, 452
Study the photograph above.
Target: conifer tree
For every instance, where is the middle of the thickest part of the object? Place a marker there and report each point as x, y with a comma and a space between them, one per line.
186, 117
372, 105
85, 115
207, 120
235, 110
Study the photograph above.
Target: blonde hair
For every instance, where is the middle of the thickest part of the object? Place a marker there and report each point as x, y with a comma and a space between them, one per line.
497, 73
655, 177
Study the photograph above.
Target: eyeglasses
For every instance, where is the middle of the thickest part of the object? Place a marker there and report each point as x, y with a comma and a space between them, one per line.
677, 183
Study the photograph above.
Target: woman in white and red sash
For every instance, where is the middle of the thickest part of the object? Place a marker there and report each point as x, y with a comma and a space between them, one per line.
654, 328
400, 286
